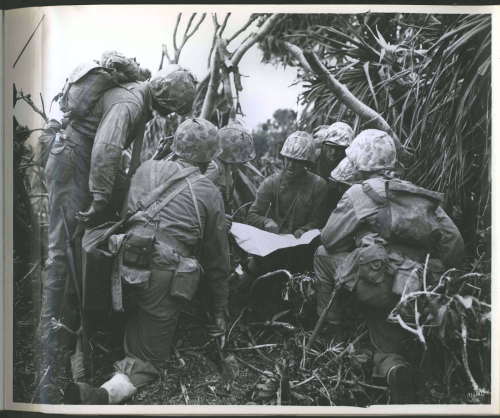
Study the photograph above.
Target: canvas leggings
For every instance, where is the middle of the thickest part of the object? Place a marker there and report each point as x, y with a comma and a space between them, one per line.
67, 173
386, 338
150, 330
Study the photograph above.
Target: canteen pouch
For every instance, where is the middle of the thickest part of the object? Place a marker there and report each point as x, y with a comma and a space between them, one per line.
186, 279
372, 263
408, 278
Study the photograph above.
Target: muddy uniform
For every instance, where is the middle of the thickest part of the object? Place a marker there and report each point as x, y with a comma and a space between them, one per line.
150, 330
348, 228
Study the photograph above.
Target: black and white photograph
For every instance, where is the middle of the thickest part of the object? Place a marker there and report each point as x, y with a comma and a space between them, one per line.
252, 208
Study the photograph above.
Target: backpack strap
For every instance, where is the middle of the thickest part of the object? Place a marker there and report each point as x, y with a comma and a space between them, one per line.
172, 195
379, 200
195, 202
154, 195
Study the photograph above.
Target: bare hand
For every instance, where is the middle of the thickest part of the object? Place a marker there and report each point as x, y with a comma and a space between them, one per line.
87, 216
271, 226
298, 233
229, 222
219, 328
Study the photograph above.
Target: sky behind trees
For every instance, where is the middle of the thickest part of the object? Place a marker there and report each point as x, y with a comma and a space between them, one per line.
73, 34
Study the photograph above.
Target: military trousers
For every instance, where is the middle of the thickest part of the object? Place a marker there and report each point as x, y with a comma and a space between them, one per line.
67, 173
150, 330
385, 337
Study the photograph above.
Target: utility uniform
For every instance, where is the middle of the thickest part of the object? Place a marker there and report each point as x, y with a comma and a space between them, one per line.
83, 164
81, 168
353, 225
150, 330
293, 205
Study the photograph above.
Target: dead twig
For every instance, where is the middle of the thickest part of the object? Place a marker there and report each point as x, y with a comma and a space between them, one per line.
244, 27
270, 324
256, 347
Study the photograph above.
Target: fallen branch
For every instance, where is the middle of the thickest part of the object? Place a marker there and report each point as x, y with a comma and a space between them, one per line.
264, 372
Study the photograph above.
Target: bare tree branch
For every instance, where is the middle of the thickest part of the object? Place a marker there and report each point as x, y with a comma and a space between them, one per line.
224, 24
244, 27
28, 100
209, 102
187, 35
298, 54
347, 98
216, 28
263, 31
175, 29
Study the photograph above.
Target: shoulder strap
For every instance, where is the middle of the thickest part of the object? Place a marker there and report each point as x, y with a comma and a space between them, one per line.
154, 195
96, 86
172, 195
379, 200
195, 202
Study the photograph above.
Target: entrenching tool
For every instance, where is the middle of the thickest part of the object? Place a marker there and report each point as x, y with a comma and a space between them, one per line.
80, 361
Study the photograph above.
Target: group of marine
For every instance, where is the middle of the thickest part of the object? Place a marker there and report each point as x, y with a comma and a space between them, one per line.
178, 220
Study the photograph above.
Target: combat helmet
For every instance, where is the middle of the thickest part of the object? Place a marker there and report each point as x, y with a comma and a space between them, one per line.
372, 150
236, 143
344, 173
299, 146
196, 140
174, 88
339, 134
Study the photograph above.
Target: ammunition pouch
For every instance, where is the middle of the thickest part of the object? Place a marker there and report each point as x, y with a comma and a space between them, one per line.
134, 262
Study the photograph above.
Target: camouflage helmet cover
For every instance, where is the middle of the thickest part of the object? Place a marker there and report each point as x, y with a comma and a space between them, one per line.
299, 146
372, 150
339, 134
174, 88
236, 143
344, 173
127, 69
196, 140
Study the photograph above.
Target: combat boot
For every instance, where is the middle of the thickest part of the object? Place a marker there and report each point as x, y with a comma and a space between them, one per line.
79, 393
400, 380
250, 274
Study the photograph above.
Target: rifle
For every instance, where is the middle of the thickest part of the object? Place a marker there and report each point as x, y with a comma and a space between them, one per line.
83, 345
322, 318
